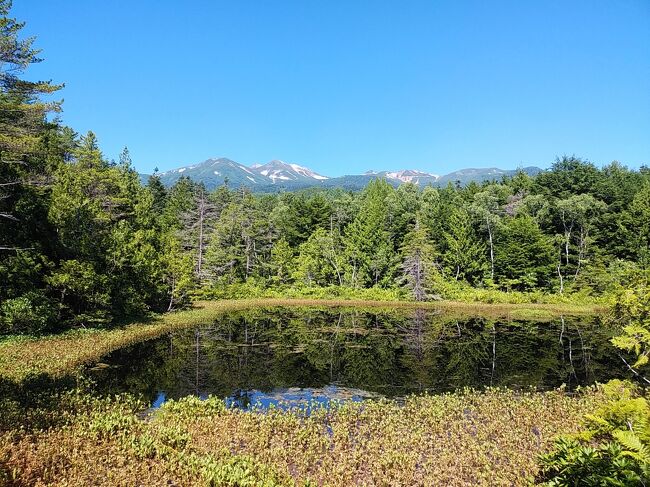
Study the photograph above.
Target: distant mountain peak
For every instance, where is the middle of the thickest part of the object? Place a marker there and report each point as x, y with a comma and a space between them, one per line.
411, 176
279, 170
276, 174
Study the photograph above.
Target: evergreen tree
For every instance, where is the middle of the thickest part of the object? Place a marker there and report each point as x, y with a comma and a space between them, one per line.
371, 259
418, 263
638, 224
23, 130
158, 192
464, 254
524, 256
282, 260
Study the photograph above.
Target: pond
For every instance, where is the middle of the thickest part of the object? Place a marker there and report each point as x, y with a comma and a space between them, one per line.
287, 357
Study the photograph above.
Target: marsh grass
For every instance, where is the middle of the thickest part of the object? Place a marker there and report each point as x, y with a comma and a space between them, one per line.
22, 358
465, 438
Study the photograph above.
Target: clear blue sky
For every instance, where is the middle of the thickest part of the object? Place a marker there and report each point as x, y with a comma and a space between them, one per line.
347, 86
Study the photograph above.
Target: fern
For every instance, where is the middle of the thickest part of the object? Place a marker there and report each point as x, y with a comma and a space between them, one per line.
613, 449
635, 447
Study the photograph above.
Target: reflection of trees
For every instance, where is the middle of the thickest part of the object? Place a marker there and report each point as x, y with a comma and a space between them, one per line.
389, 353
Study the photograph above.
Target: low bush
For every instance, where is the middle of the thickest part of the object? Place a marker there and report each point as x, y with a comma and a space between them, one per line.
30, 313
449, 290
612, 449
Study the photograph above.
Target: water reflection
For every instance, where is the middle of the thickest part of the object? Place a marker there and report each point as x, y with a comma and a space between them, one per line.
279, 357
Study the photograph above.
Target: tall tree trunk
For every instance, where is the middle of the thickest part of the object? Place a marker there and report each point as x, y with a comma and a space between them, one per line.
559, 269
489, 227
172, 292
199, 262
582, 250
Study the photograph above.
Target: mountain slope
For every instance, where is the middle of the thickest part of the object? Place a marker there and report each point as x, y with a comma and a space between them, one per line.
277, 170
465, 176
214, 172
277, 175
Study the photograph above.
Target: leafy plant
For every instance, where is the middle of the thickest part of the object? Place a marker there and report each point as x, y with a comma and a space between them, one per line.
613, 449
30, 313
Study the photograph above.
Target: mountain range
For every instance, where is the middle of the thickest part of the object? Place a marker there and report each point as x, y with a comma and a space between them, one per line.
278, 175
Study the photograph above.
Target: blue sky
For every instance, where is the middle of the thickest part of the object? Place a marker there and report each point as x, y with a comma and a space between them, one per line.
347, 86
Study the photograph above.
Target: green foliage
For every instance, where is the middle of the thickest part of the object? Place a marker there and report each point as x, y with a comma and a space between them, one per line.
418, 262
632, 312
282, 260
370, 253
320, 260
638, 224
192, 407
85, 238
613, 448
238, 471
524, 255
30, 313
464, 255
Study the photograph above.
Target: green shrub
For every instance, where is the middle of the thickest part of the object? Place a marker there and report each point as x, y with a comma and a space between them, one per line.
258, 288
613, 449
192, 407
30, 313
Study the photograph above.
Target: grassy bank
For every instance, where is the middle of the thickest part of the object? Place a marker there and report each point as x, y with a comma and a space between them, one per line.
467, 438
58, 355
446, 290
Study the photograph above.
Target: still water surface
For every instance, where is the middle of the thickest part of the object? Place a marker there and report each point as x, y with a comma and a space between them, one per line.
286, 357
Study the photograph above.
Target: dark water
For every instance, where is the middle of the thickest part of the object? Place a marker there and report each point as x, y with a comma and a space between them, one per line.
280, 357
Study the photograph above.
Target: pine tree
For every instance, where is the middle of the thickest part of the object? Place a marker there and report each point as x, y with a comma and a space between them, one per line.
22, 113
370, 252
158, 192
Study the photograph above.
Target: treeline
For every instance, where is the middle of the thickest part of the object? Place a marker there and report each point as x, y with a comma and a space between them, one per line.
573, 228
84, 243
89, 244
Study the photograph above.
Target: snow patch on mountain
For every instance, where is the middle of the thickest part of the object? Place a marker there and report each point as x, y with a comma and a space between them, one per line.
278, 170
411, 176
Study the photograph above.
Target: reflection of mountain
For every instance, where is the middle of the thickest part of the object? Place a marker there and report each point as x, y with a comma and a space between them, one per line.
296, 354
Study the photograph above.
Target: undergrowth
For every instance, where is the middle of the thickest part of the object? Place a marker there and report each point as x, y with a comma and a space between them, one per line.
465, 438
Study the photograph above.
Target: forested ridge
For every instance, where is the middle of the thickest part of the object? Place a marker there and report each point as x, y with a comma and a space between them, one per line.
84, 243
